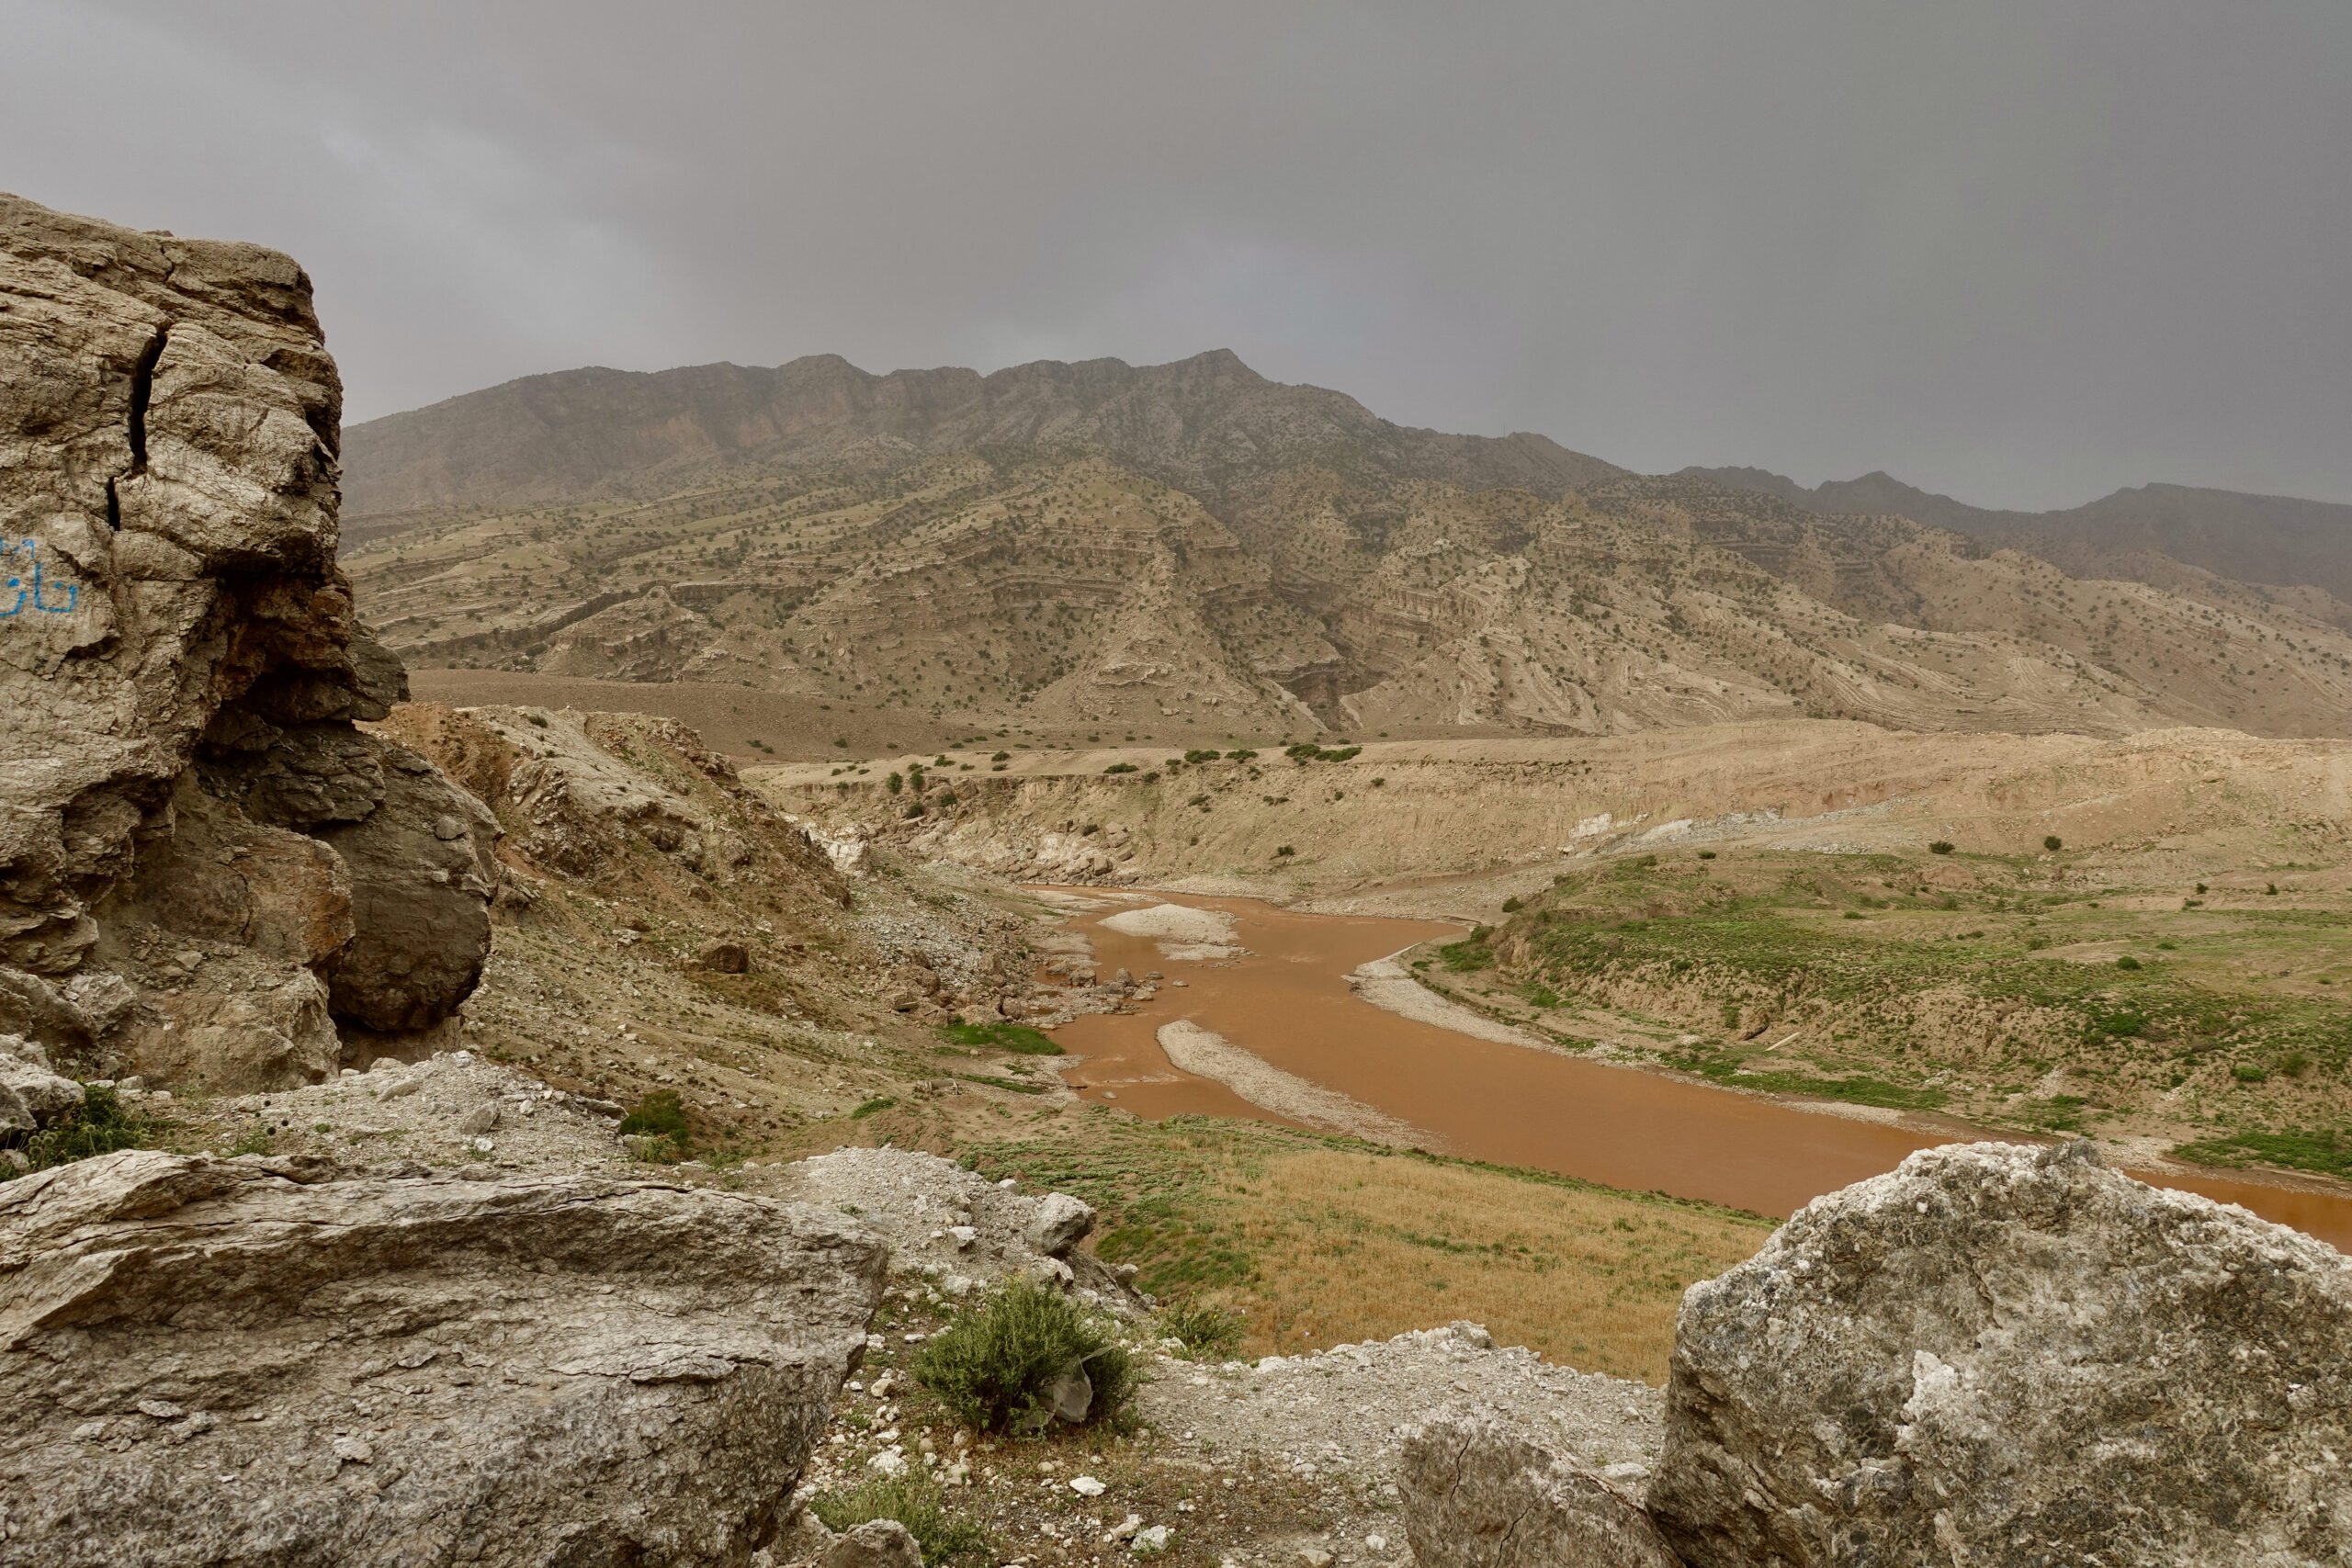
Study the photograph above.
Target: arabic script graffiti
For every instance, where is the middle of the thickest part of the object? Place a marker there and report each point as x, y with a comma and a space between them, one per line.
27, 584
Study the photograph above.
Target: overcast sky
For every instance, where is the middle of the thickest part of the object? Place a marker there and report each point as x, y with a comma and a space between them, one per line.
2022, 252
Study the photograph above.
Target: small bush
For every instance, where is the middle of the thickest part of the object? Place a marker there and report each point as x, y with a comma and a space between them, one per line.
2271, 891
1001, 757
2053, 842
1282, 850
842, 742
1210, 756
662, 1116
894, 784
870, 1107
2127, 961
1122, 768
1210, 1333
2246, 1074
992, 1367
1940, 846
1513, 906
1243, 755
1706, 855
1854, 914
2200, 887
101, 1127
540, 720
2294, 1065
915, 1502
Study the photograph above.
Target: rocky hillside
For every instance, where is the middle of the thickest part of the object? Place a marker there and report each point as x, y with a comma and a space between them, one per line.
2159, 534
1193, 551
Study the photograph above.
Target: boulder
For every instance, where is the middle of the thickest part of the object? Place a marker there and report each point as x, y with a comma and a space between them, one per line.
216, 1361
1060, 1223
30, 1094
183, 673
878, 1543
1479, 1494
724, 957
1999, 1355
422, 874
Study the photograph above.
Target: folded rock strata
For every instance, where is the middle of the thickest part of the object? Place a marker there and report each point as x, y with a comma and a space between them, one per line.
237, 1361
183, 674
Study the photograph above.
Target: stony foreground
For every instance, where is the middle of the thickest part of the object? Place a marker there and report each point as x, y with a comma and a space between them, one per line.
209, 1362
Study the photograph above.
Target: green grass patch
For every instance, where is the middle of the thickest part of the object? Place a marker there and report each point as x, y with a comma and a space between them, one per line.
1017, 1038
101, 1126
872, 1107
2328, 1153
914, 1501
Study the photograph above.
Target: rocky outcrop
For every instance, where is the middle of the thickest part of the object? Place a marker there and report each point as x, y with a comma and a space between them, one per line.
30, 1094
1999, 1355
215, 1361
1478, 1494
203, 861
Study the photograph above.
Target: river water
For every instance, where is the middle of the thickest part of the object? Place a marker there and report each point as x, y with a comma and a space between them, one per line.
1288, 1002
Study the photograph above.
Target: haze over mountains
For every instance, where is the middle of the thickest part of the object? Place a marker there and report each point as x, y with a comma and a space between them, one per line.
1193, 550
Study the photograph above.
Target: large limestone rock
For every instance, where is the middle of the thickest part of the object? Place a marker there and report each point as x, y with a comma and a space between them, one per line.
182, 673
1998, 1355
1479, 1494
236, 1361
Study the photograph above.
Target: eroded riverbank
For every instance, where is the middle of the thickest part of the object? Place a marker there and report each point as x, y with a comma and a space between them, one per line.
1284, 999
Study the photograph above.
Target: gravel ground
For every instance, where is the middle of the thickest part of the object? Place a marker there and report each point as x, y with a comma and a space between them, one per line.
451, 1109
1344, 1410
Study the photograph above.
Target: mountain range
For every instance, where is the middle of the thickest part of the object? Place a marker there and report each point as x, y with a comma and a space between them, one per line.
1192, 549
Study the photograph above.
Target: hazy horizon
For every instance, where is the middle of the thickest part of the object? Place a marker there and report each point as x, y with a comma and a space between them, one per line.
2016, 255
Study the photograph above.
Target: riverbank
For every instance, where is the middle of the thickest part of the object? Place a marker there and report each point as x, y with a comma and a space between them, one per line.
1331, 1002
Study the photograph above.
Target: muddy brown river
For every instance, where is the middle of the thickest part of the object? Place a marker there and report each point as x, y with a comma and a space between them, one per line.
1287, 1002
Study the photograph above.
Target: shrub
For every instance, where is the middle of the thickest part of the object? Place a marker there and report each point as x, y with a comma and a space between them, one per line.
991, 1368
1122, 768
911, 1499
1513, 906
1706, 855
2271, 891
1282, 850
2053, 842
540, 720
1209, 756
894, 784
101, 1127
870, 1107
2294, 1064
1243, 755
2127, 961
1940, 846
660, 1114
2246, 1074
842, 742
1001, 757
1210, 1333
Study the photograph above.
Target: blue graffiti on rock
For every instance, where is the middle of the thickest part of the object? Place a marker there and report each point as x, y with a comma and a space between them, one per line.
27, 583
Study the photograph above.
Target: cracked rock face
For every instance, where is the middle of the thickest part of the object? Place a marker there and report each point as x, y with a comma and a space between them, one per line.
1998, 1355
213, 1361
1479, 1494
182, 670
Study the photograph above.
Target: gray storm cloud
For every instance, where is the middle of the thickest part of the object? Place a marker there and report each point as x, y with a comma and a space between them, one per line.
2022, 253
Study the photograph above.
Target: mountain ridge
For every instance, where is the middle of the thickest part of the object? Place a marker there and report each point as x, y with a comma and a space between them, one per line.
1198, 423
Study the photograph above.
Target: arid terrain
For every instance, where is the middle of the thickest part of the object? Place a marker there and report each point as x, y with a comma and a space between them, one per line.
1191, 554
615, 1013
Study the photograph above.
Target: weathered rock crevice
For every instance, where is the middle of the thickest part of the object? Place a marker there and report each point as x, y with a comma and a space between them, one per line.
184, 673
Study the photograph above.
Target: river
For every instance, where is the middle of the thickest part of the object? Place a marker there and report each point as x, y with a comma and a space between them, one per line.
1286, 1001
